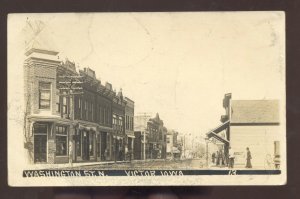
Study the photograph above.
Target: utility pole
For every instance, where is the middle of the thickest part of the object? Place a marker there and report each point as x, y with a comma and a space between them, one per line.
69, 86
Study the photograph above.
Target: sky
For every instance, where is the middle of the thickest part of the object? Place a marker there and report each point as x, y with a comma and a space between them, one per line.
179, 65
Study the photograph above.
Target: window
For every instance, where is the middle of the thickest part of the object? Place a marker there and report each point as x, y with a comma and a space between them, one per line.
121, 123
57, 101
108, 116
65, 106
114, 120
79, 107
44, 95
131, 123
79, 103
85, 109
40, 129
104, 115
92, 109
91, 143
61, 140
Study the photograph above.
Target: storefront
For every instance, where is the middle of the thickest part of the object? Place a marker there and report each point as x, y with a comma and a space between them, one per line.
50, 140
85, 145
118, 148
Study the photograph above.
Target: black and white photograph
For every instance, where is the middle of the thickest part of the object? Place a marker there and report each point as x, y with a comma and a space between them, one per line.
148, 98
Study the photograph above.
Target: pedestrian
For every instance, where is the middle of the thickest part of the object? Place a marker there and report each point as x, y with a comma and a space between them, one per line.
248, 159
213, 157
221, 154
105, 155
231, 157
218, 159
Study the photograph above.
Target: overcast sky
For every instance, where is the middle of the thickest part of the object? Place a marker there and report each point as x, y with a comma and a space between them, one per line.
177, 64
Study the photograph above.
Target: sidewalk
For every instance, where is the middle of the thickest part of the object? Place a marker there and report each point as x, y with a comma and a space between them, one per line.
75, 164
236, 167
80, 164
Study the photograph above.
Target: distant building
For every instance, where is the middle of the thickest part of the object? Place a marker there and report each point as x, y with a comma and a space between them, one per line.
141, 145
173, 146
250, 123
118, 110
157, 138
151, 136
129, 128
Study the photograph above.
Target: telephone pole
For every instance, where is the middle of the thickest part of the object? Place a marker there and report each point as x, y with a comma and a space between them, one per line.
69, 86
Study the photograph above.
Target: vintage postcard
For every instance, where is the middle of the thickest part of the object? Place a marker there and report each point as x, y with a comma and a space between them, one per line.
134, 99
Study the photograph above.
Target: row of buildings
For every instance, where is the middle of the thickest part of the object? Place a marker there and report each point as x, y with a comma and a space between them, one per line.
71, 116
153, 140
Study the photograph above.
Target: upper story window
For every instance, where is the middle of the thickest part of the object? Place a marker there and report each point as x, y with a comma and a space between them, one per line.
114, 119
44, 95
57, 97
65, 105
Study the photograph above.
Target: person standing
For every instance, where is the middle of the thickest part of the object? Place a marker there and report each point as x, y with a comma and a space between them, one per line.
218, 159
231, 157
249, 157
221, 153
213, 157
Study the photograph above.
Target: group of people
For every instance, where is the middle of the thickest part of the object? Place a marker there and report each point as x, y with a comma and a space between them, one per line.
221, 159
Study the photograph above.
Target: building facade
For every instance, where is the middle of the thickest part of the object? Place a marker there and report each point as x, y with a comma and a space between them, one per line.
172, 150
70, 116
118, 110
129, 129
254, 124
141, 144
157, 138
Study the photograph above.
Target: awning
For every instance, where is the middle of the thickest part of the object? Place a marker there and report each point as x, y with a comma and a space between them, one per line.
221, 139
215, 131
87, 128
130, 136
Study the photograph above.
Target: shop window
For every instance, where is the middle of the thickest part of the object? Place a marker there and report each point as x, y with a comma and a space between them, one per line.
44, 95
61, 140
40, 142
91, 144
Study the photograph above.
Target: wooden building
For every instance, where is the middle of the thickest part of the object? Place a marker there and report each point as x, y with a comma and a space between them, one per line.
254, 124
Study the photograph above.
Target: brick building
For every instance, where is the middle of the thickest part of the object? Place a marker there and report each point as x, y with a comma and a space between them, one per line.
157, 138
129, 128
118, 123
62, 126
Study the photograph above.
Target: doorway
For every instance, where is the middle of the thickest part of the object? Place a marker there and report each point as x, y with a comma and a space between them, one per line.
40, 142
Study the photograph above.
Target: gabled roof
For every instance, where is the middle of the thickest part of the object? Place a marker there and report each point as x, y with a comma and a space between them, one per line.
254, 111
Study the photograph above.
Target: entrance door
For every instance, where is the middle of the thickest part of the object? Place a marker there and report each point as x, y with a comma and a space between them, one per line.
40, 143
104, 153
85, 146
78, 145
